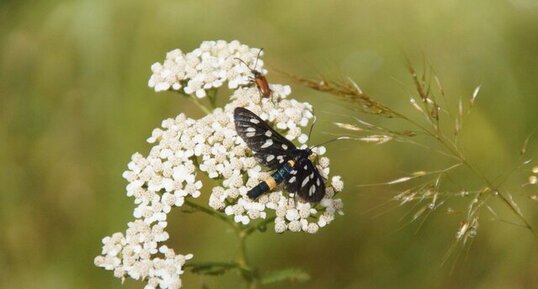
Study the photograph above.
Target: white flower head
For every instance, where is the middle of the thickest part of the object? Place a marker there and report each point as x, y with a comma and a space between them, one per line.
133, 255
210, 66
184, 148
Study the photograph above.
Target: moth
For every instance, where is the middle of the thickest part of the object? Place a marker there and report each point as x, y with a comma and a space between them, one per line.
291, 165
258, 79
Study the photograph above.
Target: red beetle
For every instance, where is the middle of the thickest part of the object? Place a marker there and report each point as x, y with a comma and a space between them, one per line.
259, 79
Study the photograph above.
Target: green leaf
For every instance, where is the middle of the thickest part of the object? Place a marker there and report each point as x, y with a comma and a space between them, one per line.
292, 274
211, 268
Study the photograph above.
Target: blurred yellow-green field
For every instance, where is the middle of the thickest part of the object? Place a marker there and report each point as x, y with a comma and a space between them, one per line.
75, 105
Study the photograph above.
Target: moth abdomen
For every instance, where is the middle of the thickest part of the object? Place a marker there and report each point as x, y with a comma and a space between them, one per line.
258, 190
273, 181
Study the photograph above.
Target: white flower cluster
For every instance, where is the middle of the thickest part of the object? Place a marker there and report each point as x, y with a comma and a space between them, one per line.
158, 183
184, 147
131, 255
206, 67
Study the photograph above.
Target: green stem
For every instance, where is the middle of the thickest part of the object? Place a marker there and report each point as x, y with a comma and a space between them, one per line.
247, 272
256, 227
212, 95
212, 213
200, 105
495, 189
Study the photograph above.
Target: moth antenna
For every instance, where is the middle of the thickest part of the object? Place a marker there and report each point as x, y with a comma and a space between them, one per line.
331, 140
312, 126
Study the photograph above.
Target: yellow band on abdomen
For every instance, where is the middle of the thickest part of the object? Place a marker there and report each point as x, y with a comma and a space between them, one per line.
271, 183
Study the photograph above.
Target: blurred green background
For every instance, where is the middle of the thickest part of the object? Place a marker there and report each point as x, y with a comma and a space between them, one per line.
74, 106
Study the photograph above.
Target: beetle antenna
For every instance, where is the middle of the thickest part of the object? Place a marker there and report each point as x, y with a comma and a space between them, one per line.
258, 57
244, 63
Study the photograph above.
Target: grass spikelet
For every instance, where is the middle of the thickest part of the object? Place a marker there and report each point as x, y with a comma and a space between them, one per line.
427, 190
348, 91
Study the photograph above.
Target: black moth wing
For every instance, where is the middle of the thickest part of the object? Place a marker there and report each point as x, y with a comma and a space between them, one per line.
270, 148
306, 181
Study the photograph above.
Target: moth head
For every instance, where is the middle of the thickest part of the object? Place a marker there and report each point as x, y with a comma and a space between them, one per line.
302, 154
313, 157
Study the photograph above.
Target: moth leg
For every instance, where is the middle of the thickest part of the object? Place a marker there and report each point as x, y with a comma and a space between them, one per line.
296, 200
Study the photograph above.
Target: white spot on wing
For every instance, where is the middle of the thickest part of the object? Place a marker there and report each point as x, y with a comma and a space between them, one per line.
305, 181
250, 134
318, 182
268, 133
280, 159
292, 179
284, 146
267, 143
255, 121
312, 190
270, 158
251, 129
305, 167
